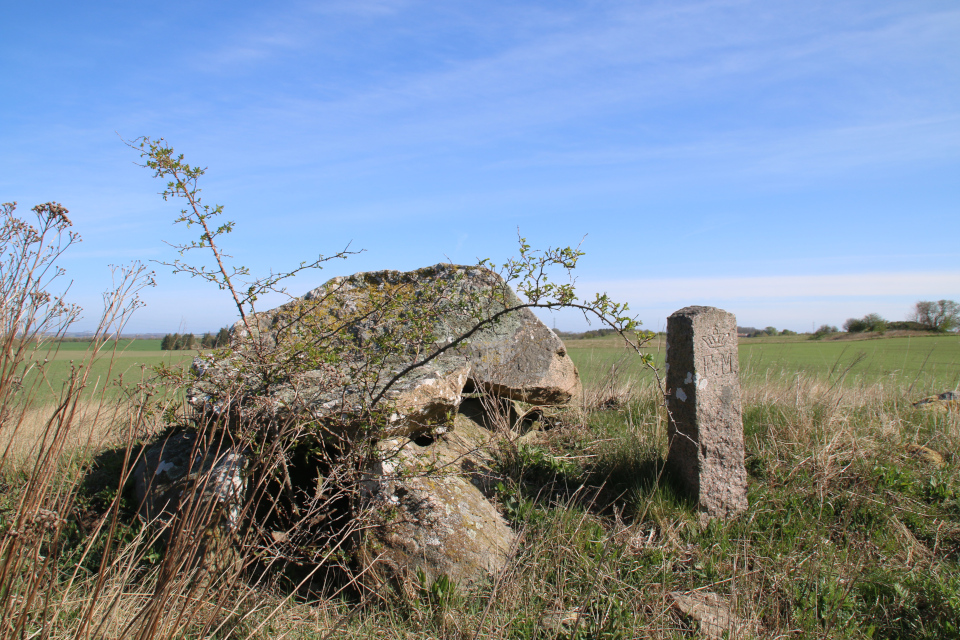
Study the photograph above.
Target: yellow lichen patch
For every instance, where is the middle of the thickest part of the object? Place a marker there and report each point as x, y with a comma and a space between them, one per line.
926, 454
936, 403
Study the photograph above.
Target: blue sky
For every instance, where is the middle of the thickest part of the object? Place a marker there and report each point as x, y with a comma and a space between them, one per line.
794, 163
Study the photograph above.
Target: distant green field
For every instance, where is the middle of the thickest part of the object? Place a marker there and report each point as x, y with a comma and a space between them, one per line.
121, 345
127, 361
927, 363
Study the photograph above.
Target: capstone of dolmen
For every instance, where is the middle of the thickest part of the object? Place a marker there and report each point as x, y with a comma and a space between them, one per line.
514, 356
517, 356
705, 432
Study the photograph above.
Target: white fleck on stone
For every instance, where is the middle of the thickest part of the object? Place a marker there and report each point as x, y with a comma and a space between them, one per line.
681, 396
163, 466
688, 379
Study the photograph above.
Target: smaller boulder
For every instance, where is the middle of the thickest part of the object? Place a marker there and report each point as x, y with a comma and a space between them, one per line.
713, 615
926, 454
178, 476
427, 516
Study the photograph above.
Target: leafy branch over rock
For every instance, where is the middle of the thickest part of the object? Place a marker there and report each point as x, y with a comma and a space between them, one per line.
315, 389
392, 333
182, 182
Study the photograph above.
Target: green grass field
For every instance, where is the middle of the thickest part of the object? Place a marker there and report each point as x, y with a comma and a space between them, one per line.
922, 364
124, 363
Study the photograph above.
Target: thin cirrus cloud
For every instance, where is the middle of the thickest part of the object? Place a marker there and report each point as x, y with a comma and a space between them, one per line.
474, 102
665, 290
786, 132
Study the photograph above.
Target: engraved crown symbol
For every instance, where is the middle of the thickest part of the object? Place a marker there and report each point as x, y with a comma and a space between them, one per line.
715, 339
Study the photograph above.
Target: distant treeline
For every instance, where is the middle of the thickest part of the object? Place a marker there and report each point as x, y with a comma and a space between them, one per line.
753, 332
178, 341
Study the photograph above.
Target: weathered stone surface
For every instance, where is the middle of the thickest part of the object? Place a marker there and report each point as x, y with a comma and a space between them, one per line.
515, 356
331, 353
175, 470
522, 359
561, 621
713, 614
426, 515
705, 431
422, 400
946, 401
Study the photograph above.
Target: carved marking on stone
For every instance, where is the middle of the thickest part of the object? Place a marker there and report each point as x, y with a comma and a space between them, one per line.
716, 338
706, 426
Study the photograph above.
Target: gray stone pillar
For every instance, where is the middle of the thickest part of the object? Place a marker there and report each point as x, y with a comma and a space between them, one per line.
703, 398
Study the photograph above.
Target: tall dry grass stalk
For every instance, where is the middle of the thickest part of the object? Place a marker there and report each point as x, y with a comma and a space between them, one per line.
97, 425
46, 587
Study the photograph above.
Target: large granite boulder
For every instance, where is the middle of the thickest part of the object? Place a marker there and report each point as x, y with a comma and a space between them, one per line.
372, 327
426, 515
385, 359
177, 476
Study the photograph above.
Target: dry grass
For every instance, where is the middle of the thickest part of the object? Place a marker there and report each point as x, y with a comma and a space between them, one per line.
97, 426
846, 532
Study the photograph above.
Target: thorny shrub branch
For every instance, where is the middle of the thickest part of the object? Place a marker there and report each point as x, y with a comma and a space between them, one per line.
182, 182
329, 342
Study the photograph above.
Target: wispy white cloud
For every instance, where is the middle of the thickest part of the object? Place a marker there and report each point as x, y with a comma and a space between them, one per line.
246, 48
798, 302
295, 27
936, 284
599, 94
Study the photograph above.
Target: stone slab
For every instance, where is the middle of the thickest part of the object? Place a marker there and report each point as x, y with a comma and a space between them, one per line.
705, 432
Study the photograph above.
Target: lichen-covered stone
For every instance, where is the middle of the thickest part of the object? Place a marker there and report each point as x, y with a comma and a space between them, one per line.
176, 472
428, 509
423, 400
435, 523
379, 323
713, 614
379, 355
